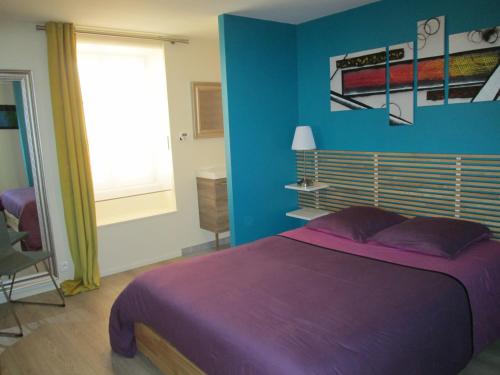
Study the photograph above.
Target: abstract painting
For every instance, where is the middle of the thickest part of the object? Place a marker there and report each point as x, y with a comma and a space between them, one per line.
430, 68
401, 93
385, 78
473, 67
8, 117
358, 80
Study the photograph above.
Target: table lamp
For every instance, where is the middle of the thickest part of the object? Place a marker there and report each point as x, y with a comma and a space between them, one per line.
303, 140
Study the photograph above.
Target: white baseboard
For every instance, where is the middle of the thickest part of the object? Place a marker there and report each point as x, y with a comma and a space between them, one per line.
30, 288
44, 284
143, 262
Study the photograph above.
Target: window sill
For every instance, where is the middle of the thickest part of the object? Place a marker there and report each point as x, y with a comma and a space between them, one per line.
135, 208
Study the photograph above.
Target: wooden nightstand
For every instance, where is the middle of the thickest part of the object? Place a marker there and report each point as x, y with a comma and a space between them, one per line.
212, 204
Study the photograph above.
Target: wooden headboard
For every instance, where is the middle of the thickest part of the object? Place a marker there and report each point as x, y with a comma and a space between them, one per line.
459, 186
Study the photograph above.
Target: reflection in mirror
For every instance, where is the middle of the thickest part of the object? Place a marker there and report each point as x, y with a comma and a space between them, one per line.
22, 198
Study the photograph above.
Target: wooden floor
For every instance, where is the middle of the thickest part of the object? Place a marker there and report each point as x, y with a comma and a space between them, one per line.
74, 340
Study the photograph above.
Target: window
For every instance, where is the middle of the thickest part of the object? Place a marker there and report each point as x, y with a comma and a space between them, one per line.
124, 96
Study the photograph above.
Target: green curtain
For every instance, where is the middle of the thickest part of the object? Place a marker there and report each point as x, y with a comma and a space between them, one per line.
73, 157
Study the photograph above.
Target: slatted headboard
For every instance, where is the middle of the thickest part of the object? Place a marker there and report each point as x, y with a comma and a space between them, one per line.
460, 186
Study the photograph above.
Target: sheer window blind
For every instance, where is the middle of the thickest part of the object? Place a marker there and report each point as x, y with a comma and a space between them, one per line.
124, 95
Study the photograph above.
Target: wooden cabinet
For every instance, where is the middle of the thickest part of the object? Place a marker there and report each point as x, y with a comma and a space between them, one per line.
212, 205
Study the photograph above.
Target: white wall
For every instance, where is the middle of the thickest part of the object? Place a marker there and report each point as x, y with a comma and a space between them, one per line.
133, 243
7, 94
12, 174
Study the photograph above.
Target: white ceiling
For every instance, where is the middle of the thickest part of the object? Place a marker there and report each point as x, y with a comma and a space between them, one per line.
177, 17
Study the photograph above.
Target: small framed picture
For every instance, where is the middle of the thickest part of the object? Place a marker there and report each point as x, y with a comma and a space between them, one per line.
207, 109
8, 117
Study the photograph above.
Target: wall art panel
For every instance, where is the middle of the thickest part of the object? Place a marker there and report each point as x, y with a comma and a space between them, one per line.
473, 68
401, 92
358, 80
430, 68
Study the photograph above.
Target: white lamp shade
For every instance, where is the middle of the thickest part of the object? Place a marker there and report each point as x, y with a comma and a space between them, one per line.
303, 139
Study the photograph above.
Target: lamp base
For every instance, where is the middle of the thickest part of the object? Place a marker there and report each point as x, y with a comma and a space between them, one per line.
305, 182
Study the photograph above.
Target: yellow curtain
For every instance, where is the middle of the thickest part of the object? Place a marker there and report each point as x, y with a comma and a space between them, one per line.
73, 156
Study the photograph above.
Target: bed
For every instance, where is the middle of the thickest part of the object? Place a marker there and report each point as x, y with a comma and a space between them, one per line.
21, 214
306, 302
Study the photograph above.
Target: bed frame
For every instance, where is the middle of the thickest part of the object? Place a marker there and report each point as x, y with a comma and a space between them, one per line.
163, 354
457, 186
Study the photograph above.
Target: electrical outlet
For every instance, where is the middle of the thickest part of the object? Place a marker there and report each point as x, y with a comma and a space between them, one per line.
64, 266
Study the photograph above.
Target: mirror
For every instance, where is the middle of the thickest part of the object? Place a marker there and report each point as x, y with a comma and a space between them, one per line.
22, 191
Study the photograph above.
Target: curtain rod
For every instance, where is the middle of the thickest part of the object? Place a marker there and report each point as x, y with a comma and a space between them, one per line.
123, 33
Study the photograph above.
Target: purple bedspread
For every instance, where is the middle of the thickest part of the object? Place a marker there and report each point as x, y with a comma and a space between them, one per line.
280, 306
22, 204
478, 268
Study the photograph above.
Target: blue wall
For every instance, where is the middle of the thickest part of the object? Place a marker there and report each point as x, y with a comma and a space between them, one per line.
461, 128
275, 76
259, 79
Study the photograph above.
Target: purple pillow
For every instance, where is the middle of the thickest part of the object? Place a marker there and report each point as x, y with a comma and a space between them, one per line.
437, 236
357, 223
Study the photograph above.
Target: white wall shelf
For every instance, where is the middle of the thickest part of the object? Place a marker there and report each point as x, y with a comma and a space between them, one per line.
307, 213
314, 187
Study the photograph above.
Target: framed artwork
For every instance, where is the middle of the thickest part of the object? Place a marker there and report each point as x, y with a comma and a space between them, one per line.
8, 117
207, 109
430, 53
401, 93
473, 67
388, 78
358, 80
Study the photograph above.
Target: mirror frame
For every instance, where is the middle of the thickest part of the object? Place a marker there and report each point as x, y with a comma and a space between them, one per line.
25, 77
